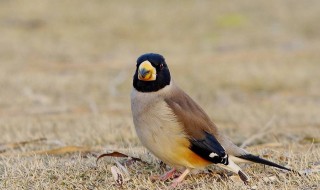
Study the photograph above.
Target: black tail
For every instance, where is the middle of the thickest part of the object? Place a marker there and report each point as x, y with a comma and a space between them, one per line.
257, 159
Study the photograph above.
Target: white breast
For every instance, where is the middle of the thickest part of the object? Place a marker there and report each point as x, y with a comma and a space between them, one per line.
156, 126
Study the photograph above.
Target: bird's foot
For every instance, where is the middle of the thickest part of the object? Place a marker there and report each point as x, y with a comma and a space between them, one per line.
165, 176
178, 180
174, 184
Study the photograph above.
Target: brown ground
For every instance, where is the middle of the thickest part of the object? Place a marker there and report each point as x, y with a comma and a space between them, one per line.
66, 69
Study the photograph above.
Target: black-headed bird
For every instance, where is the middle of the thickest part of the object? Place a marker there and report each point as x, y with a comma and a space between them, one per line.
173, 127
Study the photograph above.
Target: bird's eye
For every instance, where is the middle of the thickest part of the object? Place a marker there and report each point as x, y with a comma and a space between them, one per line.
161, 66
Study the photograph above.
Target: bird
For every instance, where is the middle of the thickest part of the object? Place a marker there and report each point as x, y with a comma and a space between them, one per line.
174, 128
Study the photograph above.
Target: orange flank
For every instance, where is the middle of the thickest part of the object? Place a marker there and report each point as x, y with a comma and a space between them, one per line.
193, 160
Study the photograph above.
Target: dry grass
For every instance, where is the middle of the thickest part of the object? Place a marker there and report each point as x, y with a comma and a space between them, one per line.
66, 69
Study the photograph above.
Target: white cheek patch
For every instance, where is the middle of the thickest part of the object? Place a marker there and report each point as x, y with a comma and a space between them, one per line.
212, 155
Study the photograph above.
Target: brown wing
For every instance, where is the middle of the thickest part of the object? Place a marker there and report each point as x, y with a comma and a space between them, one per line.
190, 114
203, 133
200, 129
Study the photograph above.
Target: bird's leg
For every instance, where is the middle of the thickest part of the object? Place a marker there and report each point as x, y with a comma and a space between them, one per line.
180, 178
165, 176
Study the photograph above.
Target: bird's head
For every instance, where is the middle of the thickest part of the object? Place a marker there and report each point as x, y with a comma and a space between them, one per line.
152, 73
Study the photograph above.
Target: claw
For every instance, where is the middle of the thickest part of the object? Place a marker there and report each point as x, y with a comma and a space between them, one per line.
165, 176
177, 181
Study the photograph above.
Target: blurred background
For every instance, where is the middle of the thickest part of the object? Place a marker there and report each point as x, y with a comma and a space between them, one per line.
66, 67
66, 72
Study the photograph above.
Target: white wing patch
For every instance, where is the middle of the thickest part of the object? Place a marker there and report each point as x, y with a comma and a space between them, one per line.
212, 155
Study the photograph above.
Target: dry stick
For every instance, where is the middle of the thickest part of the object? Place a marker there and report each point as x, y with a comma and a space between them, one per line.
118, 80
93, 106
50, 110
269, 145
4, 147
56, 151
260, 134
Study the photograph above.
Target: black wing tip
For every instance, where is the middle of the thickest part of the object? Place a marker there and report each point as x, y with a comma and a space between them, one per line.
209, 149
259, 160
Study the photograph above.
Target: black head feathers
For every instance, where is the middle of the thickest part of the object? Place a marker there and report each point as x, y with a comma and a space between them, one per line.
162, 74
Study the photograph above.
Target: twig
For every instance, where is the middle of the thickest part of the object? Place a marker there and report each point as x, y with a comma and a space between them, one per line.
119, 79
260, 134
4, 147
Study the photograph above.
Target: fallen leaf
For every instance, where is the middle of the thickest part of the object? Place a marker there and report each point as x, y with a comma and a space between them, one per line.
117, 175
123, 169
120, 155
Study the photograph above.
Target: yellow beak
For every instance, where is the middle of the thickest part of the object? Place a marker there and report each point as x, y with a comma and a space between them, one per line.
147, 72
